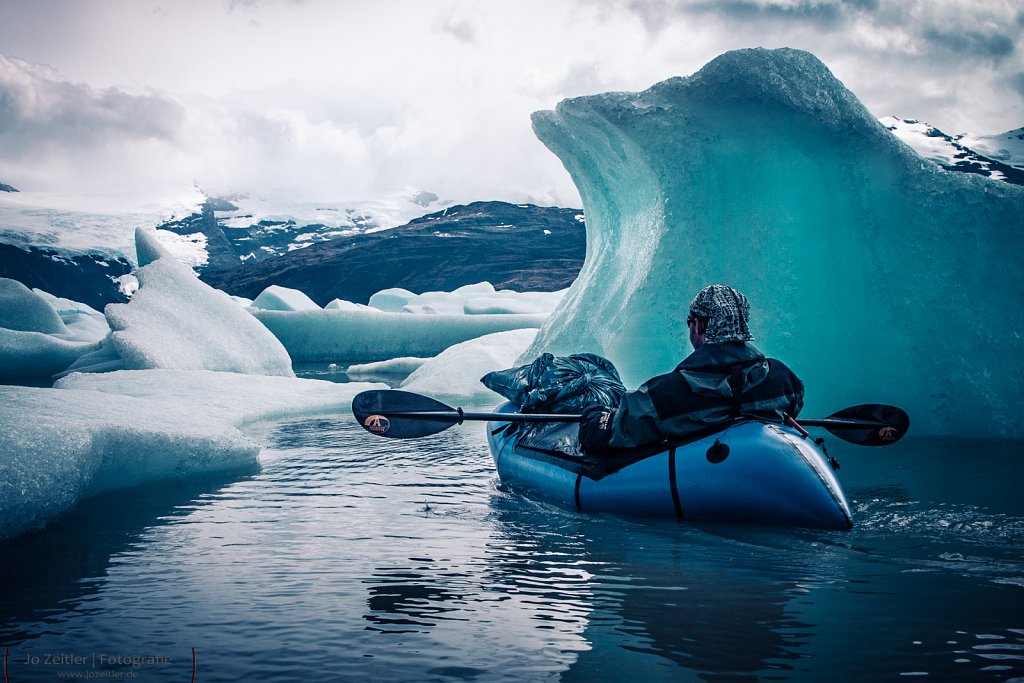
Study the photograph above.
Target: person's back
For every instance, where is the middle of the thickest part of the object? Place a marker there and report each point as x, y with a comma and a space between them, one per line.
725, 377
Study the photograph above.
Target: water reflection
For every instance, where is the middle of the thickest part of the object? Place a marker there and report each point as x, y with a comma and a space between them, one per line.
646, 589
413, 599
52, 572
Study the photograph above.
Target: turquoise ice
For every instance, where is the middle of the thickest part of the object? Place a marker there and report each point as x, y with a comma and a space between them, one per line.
876, 275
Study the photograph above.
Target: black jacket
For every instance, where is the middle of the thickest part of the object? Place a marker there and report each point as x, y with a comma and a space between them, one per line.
714, 383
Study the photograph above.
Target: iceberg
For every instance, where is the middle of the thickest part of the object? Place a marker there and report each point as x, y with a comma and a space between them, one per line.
404, 365
398, 323
83, 322
343, 305
99, 432
391, 300
275, 298
36, 339
476, 299
177, 322
876, 275
37, 355
455, 372
370, 335
24, 310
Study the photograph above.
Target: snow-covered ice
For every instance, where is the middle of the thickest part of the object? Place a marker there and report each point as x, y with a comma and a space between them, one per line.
878, 276
177, 322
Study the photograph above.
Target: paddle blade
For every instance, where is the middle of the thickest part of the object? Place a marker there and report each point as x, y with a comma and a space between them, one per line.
379, 412
892, 424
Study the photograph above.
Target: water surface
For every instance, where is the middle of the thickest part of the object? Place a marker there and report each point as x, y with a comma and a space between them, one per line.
351, 557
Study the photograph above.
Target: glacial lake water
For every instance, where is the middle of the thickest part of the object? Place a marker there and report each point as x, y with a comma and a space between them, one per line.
348, 557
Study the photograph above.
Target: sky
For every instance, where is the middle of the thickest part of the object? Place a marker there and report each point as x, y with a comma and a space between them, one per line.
356, 100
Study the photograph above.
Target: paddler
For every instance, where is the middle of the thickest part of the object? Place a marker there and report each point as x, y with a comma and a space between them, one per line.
724, 378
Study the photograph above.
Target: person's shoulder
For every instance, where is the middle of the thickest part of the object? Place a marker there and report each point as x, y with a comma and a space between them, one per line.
779, 368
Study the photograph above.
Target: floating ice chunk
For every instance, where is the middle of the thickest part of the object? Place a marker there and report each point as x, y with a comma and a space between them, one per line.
102, 358
343, 305
66, 306
453, 302
275, 298
102, 432
764, 172
22, 309
506, 301
391, 300
332, 335
83, 322
241, 300
455, 373
25, 355
177, 322
405, 365
476, 299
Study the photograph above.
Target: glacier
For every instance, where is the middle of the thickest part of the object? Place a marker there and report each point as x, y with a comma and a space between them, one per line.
876, 275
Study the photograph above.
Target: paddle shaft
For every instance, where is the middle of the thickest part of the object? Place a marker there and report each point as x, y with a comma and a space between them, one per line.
459, 415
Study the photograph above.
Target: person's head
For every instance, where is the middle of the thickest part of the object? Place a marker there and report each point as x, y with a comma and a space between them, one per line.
718, 314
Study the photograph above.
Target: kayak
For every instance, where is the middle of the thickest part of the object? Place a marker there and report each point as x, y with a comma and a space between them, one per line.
746, 471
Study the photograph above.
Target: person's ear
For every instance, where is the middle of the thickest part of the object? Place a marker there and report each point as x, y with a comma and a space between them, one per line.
702, 326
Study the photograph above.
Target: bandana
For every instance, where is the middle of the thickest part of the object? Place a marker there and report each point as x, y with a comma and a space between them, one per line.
727, 312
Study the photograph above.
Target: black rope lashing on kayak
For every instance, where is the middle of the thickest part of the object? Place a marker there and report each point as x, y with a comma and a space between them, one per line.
576, 491
831, 460
673, 485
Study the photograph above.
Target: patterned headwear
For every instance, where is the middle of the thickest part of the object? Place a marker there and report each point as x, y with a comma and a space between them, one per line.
727, 312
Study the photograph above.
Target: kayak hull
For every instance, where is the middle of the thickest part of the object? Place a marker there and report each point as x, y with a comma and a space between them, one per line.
768, 474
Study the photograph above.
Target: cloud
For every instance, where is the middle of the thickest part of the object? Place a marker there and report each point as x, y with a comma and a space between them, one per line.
1016, 82
461, 28
39, 107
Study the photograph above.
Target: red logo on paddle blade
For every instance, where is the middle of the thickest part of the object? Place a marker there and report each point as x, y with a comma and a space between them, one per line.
888, 433
378, 424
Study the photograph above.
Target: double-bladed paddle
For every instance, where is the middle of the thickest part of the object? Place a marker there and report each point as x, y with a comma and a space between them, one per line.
404, 415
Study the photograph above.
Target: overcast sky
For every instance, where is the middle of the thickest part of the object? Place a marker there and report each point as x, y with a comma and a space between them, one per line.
346, 99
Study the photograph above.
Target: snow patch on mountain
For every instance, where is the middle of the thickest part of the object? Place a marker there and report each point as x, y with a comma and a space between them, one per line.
999, 157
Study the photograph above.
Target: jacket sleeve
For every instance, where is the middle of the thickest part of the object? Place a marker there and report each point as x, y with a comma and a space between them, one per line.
633, 423
794, 387
636, 421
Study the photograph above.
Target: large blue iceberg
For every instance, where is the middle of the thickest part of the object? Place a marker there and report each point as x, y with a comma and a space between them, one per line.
876, 275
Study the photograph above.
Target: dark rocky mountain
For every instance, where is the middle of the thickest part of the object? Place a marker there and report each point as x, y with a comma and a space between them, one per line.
236, 235
90, 279
7, 188
521, 247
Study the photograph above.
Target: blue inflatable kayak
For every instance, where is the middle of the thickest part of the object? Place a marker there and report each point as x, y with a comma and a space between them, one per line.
749, 471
